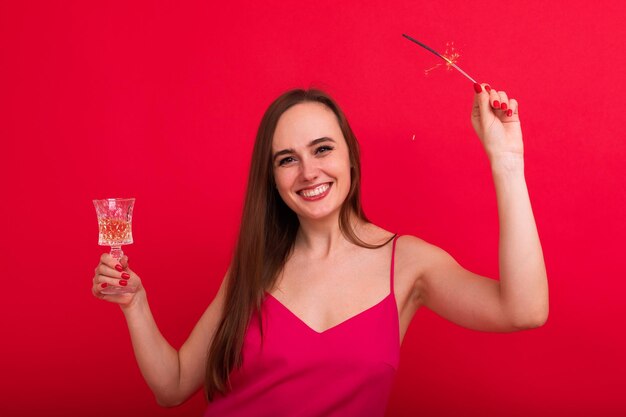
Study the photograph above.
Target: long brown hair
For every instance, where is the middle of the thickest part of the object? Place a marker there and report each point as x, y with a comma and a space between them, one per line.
267, 235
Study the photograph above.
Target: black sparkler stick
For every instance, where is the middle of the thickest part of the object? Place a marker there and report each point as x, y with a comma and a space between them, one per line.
449, 61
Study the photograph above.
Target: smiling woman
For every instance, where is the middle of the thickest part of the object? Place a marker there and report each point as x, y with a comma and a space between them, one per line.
315, 293
311, 170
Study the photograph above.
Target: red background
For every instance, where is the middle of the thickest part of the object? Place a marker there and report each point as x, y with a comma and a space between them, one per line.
161, 101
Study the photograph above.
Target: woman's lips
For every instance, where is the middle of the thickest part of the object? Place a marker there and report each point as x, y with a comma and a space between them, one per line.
316, 193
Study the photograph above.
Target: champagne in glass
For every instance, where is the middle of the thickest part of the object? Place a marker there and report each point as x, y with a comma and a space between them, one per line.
115, 229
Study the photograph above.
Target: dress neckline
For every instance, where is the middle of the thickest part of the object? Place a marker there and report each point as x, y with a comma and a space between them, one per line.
390, 295
349, 319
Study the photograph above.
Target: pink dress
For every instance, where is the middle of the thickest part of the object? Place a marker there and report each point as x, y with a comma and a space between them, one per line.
345, 371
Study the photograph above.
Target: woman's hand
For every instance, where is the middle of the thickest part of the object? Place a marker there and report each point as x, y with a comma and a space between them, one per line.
109, 274
496, 122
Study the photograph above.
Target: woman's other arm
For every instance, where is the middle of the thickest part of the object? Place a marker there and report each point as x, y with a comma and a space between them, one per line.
173, 376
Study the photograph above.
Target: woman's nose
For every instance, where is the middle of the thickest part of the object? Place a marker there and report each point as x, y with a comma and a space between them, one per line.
309, 169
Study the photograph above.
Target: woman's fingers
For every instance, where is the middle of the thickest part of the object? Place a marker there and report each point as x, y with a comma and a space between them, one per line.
513, 108
110, 272
97, 291
107, 272
504, 101
496, 122
494, 99
99, 284
107, 259
501, 101
98, 280
481, 99
498, 101
102, 284
96, 288
113, 273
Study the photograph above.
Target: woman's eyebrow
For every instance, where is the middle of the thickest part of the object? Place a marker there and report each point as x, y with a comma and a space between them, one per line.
312, 143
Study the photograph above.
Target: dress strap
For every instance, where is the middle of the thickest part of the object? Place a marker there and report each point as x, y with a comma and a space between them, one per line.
393, 255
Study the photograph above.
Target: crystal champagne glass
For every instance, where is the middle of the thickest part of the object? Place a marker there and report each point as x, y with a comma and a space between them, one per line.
115, 229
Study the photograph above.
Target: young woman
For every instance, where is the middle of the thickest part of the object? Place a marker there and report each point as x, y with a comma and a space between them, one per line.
311, 313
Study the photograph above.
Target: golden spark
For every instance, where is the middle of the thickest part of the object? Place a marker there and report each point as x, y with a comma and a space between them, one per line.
451, 56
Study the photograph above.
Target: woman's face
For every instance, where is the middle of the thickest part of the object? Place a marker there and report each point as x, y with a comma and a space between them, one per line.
311, 161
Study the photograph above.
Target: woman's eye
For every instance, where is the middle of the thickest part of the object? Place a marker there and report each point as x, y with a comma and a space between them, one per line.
285, 160
324, 149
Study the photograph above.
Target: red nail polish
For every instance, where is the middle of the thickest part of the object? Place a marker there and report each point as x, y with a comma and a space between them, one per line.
125, 275
123, 283
119, 267
103, 285
509, 113
503, 106
477, 88
488, 88
496, 104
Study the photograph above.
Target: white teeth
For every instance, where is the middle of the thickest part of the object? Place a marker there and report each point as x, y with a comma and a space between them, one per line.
316, 191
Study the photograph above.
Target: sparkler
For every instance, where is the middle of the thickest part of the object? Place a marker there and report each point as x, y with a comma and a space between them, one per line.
450, 53
450, 60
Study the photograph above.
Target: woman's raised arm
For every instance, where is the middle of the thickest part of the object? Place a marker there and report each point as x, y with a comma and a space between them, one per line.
519, 300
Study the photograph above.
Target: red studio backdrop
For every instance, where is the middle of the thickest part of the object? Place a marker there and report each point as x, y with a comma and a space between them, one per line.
161, 101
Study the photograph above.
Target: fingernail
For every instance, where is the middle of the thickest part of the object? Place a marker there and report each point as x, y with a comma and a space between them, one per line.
125, 275
496, 104
123, 283
103, 285
503, 106
477, 88
119, 267
509, 113
488, 88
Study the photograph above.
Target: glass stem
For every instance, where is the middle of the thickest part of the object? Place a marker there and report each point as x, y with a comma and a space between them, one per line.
116, 252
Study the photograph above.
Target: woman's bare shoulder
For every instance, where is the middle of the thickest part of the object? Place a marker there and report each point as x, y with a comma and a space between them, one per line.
414, 243
374, 234
413, 250
413, 256
409, 243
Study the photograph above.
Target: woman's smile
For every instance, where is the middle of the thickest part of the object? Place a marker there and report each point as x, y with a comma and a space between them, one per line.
316, 192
